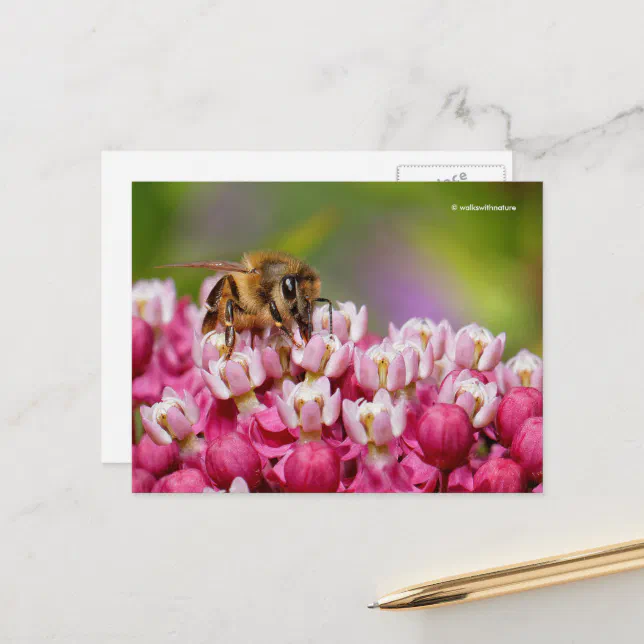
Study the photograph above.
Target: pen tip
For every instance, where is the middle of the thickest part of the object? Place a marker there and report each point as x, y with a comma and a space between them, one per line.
373, 605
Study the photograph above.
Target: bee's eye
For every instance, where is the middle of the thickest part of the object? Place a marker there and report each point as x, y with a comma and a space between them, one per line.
288, 287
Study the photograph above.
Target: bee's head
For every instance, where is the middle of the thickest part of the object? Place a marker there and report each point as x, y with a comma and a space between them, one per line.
299, 292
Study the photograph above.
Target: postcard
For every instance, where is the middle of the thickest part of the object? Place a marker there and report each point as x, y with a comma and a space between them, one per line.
327, 336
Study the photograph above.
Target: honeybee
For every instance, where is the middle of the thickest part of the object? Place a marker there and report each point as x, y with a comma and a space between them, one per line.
266, 288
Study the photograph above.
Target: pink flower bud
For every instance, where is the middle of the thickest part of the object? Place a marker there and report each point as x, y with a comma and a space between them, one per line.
518, 405
445, 436
527, 448
190, 481
156, 459
142, 345
142, 481
230, 456
312, 467
500, 475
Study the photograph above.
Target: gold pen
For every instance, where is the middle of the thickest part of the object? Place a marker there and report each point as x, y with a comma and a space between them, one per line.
518, 577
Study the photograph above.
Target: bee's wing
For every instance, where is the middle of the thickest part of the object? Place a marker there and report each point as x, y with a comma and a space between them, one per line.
230, 267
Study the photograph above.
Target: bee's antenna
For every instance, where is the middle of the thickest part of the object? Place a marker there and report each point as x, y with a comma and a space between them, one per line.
323, 299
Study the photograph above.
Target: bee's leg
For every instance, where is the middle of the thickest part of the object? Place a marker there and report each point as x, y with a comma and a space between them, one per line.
230, 329
212, 304
279, 323
322, 299
309, 314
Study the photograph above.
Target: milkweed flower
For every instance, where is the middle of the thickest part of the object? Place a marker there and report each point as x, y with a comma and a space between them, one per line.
425, 331
212, 346
154, 301
324, 355
523, 370
378, 422
479, 399
277, 359
425, 357
475, 347
236, 377
349, 323
344, 412
173, 417
309, 406
377, 425
392, 366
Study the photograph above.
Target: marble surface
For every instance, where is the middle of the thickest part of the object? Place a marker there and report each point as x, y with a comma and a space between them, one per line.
559, 84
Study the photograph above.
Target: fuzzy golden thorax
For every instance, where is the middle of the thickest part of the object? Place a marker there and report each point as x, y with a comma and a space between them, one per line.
265, 280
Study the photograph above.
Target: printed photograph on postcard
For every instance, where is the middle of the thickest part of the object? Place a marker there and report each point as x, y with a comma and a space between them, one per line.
337, 337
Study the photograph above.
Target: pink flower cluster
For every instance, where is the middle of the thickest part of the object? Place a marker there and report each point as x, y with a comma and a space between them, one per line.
426, 409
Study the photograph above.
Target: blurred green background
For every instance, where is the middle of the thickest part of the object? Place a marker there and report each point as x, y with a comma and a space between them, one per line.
399, 248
